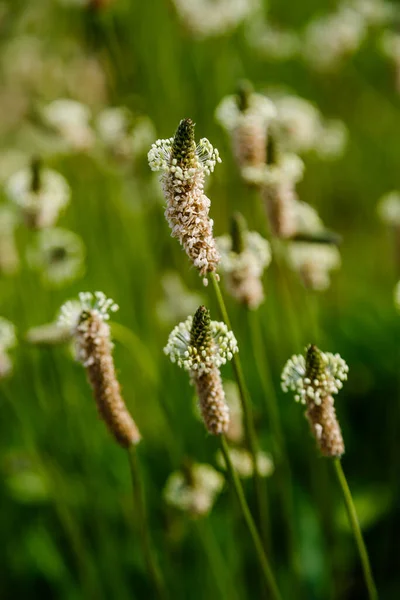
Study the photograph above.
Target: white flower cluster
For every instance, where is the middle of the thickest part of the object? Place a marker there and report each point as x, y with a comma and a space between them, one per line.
389, 208
194, 493
59, 256
243, 462
313, 261
72, 311
187, 206
271, 41
229, 115
203, 360
205, 18
127, 137
303, 129
43, 205
71, 120
253, 260
177, 300
329, 382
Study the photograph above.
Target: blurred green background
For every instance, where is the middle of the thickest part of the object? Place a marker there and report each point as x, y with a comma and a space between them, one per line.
67, 521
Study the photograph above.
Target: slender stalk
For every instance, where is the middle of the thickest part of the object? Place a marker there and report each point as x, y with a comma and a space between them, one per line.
355, 525
284, 471
262, 557
246, 404
140, 510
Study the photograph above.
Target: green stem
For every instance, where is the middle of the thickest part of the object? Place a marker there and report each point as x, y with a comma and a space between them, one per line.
351, 511
141, 513
264, 562
284, 471
246, 405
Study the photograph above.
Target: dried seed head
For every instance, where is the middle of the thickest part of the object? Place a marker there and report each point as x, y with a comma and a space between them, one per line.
94, 351
244, 257
212, 403
184, 166
315, 378
193, 489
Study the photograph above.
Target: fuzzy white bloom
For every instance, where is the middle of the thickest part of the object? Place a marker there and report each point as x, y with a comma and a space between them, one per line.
314, 261
184, 165
229, 115
71, 120
329, 382
202, 360
208, 18
332, 140
8, 337
97, 302
58, 254
177, 301
397, 295
40, 207
125, 135
194, 492
243, 462
331, 38
375, 12
271, 41
389, 208
288, 171
307, 219
390, 45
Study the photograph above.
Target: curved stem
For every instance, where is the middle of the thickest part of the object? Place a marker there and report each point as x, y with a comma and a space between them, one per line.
262, 557
355, 525
246, 405
141, 513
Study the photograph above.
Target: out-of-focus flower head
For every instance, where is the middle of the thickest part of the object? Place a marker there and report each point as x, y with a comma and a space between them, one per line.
313, 262
124, 135
271, 41
58, 255
243, 462
8, 340
389, 209
40, 193
244, 256
194, 489
71, 120
177, 301
202, 18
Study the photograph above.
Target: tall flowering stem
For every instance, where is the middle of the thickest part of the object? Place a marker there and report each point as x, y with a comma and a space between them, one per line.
265, 566
246, 404
315, 378
355, 525
88, 323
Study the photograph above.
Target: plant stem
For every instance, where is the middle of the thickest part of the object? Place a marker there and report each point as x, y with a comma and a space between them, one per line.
264, 562
351, 511
284, 471
141, 513
246, 405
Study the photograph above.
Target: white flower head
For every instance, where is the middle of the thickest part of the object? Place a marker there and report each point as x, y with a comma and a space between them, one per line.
315, 376
199, 345
59, 256
8, 337
40, 200
73, 311
258, 107
193, 489
254, 258
389, 208
313, 262
70, 119
242, 462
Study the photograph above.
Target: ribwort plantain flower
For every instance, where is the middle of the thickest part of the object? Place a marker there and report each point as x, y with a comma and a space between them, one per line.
313, 262
315, 378
58, 254
193, 489
94, 350
246, 116
201, 347
244, 256
8, 340
184, 165
54, 333
41, 194
177, 301
71, 120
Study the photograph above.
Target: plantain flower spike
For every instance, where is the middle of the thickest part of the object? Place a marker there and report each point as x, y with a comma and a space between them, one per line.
201, 347
315, 378
244, 256
94, 350
246, 116
184, 166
